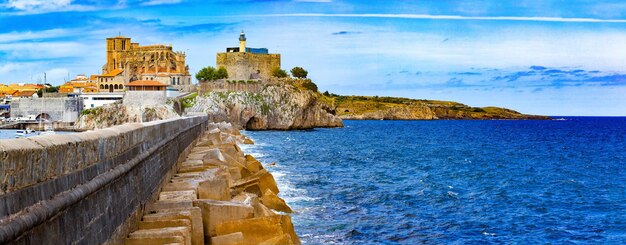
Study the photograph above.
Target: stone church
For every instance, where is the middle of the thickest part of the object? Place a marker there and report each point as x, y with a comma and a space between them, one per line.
151, 62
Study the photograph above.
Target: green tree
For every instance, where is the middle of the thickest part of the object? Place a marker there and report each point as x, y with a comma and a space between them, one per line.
49, 89
206, 74
221, 73
280, 73
299, 72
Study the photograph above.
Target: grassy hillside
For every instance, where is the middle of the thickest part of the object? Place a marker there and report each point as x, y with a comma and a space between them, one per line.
375, 107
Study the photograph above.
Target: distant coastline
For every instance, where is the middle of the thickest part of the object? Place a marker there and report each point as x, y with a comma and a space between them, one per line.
393, 108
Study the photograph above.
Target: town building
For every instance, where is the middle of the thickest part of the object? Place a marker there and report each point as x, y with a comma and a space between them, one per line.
145, 93
25, 94
93, 100
80, 84
243, 63
146, 85
113, 81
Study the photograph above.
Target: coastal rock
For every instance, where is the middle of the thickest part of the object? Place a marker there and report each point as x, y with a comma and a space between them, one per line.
272, 201
228, 239
116, 114
276, 106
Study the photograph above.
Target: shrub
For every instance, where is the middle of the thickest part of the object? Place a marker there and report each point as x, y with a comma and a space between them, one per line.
279, 73
308, 84
299, 72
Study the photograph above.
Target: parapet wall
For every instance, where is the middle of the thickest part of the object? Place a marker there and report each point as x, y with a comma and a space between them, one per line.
87, 188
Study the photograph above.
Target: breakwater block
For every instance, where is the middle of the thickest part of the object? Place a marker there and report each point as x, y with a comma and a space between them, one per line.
218, 195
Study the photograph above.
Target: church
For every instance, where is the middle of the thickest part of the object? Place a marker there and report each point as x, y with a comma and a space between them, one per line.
132, 62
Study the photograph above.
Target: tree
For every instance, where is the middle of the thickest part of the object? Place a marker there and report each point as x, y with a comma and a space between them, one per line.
280, 73
221, 73
49, 89
206, 74
299, 72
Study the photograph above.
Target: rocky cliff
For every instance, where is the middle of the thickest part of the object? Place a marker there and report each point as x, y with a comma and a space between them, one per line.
390, 108
281, 106
117, 114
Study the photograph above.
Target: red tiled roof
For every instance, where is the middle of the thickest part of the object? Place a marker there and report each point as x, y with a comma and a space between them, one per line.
24, 93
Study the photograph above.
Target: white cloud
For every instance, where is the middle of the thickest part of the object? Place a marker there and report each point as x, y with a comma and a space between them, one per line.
30, 35
458, 17
160, 2
30, 5
44, 6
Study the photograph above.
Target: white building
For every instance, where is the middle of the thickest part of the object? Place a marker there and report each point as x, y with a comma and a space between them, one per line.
93, 100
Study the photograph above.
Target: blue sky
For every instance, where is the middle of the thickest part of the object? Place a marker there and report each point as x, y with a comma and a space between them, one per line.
542, 57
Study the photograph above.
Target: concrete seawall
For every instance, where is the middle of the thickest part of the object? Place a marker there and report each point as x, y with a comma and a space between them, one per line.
91, 187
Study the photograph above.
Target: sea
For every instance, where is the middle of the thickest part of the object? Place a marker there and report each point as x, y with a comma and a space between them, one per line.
10, 133
453, 182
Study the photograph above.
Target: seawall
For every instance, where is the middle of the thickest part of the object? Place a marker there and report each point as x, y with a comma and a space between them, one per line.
90, 187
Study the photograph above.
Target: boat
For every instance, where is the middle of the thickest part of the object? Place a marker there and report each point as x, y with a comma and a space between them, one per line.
24, 133
49, 130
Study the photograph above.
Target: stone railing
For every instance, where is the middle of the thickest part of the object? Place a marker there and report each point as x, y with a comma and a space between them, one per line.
88, 187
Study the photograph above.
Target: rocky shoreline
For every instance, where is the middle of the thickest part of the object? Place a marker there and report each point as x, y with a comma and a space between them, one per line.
274, 107
219, 195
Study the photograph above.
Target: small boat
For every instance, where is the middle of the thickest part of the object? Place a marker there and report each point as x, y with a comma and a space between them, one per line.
48, 130
24, 133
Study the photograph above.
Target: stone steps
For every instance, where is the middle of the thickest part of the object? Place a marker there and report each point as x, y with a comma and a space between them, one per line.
219, 196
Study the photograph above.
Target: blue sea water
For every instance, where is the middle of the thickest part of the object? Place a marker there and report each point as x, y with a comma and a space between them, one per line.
10, 133
465, 182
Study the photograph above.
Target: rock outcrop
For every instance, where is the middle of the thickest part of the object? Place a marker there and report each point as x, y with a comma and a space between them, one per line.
275, 106
117, 114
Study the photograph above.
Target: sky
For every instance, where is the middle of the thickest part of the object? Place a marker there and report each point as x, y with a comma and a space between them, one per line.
548, 57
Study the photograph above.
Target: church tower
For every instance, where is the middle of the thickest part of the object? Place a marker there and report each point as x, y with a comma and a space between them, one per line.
242, 42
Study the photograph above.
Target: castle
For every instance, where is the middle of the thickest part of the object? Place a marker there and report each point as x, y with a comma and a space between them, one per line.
243, 63
133, 62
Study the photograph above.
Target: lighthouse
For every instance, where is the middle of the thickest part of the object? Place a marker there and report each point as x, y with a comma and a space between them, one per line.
242, 42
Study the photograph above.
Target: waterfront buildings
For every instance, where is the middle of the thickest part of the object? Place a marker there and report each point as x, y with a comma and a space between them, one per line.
93, 100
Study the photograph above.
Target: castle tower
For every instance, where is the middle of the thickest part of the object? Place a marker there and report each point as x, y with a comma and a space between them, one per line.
117, 49
242, 42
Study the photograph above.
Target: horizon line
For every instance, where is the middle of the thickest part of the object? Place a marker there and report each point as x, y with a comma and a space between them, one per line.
454, 17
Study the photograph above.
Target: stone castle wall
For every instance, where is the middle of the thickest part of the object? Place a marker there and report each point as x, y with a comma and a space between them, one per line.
91, 187
230, 86
241, 66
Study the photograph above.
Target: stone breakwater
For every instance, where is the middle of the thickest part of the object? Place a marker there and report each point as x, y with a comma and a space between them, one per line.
219, 195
